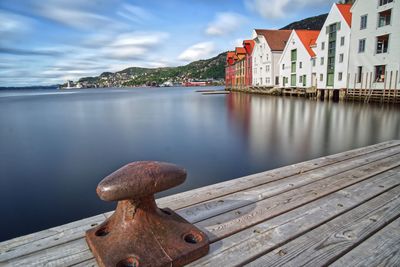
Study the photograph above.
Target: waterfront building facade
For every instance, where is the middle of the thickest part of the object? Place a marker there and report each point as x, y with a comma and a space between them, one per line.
332, 49
230, 69
240, 53
268, 48
375, 45
249, 47
297, 63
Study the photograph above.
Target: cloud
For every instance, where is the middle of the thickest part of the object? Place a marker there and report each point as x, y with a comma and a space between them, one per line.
273, 9
225, 23
25, 52
135, 13
10, 22
75, 14
133, 45
198, 51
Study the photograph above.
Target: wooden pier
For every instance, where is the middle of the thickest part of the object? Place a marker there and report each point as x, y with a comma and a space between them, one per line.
342, 210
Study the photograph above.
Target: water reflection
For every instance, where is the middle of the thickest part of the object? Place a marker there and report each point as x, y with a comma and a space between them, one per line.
295, 129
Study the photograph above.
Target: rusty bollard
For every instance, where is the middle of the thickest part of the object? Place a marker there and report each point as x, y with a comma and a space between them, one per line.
139, 233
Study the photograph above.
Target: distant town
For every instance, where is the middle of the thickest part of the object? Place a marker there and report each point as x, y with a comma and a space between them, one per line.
198, 73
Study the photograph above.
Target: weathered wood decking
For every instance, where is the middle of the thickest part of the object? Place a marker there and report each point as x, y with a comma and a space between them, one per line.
342, 210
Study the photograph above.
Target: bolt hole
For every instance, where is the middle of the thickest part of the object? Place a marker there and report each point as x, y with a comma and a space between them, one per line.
102, 232
166, 212
192, 238
128, 262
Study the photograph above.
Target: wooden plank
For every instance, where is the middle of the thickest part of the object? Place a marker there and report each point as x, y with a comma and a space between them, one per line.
382, 249
201, 211
192, 197
333, 239
255, 241
242, 198
56, 235
233, 221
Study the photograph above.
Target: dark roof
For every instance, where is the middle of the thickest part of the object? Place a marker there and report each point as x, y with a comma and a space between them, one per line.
276, 39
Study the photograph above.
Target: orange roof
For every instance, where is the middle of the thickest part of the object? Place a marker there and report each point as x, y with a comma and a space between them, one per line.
250, 44
345, 10
276, 39
240, 50
308, 38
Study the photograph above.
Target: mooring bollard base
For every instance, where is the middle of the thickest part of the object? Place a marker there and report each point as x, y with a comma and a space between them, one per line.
139, 233
163, 239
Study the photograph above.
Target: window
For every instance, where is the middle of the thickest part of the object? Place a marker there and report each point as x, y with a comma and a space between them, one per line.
267, 68
293, 55
267, 57
321, 77
361, 46
384, 2
322, 45
331, 63
342, 41
283, 66
267, 80
313, 62
363, 22
300, 64
340, 76
341, 56
359, 74
300, 79
260, 70
322, 60
382, 43
293, 67
380, 73
276, 80
384, 18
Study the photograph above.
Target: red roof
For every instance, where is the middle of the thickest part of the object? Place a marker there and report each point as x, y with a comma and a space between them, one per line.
230, 58
249, 45
345, 10
276, 39
230, 54
308, 38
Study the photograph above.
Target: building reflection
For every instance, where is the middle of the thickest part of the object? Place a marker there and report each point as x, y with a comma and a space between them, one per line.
289, 130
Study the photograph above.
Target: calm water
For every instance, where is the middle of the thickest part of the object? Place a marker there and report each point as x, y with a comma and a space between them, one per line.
56, 146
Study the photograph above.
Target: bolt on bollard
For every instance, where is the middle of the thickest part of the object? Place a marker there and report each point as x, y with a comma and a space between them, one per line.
138, 233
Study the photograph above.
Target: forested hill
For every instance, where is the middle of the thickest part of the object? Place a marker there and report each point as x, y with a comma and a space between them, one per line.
311, 23
213, 68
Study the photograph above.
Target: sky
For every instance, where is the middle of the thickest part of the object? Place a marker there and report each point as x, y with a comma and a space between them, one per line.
45, 42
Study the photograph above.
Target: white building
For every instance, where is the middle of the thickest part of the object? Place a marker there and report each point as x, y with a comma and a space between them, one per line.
296, 65
268, 48
375, 44
332, 49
